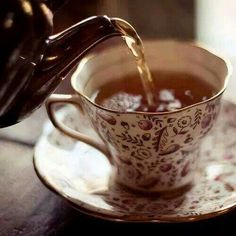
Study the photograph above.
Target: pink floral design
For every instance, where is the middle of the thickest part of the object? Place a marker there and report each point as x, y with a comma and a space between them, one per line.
165, 167
206, 121
211, 194
146, 136
186, 169
145, 124
171, 149
141, 154
108, 118
184, 121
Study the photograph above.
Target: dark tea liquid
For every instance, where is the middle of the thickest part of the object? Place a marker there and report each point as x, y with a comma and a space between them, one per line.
172, 91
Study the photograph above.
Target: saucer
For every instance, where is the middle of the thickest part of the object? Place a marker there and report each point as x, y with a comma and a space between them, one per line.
80, 174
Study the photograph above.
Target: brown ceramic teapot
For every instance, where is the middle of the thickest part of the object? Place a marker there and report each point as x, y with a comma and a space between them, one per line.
33, 63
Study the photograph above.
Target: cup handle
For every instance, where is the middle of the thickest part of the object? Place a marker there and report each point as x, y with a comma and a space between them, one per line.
71, 99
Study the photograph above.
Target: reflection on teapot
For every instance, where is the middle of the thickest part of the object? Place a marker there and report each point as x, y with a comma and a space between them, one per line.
33, 63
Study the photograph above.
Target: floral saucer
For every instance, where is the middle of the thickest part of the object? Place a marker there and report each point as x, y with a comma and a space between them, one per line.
80, 174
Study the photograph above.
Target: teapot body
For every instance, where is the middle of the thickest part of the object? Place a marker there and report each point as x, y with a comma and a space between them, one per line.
33, 63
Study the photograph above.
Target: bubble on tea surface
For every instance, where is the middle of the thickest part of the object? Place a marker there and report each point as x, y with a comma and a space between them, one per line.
167, 95
188, 93
122, 102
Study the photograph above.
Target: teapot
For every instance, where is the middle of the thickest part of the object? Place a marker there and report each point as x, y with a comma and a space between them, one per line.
34, 62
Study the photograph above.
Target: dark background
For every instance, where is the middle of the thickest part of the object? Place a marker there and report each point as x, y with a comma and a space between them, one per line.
151, 18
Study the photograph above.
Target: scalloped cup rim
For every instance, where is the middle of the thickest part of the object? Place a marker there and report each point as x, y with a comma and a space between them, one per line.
195, 44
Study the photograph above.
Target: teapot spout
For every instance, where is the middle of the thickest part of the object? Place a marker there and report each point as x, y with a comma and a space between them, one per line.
65, 49
33, 64
55, 58
62, 52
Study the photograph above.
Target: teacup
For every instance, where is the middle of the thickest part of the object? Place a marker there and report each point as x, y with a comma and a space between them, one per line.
150, 151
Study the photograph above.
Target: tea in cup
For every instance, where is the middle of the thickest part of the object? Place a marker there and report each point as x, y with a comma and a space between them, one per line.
152, 148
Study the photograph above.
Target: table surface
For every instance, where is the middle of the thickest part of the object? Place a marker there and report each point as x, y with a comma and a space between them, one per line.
27, 207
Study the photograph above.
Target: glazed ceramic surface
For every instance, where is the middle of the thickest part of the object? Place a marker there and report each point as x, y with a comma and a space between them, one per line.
155, 152
151, 151
82, 175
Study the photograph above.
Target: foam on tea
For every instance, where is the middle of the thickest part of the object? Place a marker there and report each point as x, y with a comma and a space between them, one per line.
172, 91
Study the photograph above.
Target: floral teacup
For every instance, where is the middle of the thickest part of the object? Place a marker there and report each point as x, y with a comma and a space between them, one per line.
150, 151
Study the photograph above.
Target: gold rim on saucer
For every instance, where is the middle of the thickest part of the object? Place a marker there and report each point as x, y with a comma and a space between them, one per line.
81, 174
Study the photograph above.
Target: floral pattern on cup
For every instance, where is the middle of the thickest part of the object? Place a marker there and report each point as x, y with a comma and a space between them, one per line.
154, 152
